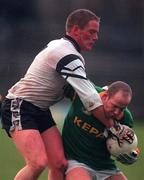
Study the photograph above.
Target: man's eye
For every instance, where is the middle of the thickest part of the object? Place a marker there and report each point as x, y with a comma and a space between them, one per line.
122, 109
92, 32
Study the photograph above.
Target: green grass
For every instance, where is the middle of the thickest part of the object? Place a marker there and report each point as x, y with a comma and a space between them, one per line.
11, 161
136, 171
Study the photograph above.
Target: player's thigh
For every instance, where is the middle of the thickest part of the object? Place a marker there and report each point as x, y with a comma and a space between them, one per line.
77, 174
54, 146
30, 144
119, 176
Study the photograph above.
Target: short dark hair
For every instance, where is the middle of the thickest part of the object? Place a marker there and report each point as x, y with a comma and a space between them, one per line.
119, 86
80, 17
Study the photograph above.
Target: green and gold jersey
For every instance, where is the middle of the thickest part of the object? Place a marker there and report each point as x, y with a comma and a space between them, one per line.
83, 137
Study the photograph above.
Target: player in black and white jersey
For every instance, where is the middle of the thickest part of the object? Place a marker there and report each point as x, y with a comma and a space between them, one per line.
25, 114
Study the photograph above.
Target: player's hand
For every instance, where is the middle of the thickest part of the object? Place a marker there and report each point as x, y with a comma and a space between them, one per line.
121, 133
128, 159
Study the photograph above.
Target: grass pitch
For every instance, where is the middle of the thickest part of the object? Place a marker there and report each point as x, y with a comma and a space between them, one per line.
11, 161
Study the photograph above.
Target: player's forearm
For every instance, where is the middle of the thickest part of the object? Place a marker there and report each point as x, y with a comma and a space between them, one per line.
100, 114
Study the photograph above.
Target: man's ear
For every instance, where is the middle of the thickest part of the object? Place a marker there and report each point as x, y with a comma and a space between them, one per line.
75, 30
104, 95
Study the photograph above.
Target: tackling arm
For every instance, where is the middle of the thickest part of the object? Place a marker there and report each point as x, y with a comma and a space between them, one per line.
100, 114
72, 69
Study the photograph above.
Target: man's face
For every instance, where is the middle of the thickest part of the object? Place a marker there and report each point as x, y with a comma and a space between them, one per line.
115, 105
88, 35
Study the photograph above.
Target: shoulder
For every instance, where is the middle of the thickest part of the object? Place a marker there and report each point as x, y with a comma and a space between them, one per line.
128, 118
98, 88
63, 49
62, 46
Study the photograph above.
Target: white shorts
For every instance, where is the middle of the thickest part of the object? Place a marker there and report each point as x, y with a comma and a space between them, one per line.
96, 175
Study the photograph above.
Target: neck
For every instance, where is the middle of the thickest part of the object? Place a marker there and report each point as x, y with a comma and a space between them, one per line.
73, 41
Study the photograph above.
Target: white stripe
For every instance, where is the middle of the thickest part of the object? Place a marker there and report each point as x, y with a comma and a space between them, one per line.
16, 117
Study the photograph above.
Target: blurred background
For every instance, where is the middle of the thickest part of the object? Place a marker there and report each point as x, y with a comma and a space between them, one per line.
27, 26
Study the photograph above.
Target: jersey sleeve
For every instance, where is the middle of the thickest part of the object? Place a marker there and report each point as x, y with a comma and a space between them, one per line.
128, 118
72, 69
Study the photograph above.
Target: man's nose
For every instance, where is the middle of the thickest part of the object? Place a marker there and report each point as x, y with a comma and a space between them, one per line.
117, 111
95, 37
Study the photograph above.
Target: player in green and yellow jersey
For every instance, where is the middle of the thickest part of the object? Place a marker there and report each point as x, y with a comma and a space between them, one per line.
83, 135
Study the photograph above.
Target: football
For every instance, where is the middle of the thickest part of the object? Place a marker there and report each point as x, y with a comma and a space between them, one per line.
126, 147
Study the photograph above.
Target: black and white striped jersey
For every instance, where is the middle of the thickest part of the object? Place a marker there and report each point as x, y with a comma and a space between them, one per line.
55, 66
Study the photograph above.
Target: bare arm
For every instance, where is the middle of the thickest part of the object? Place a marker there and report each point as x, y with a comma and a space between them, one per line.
72, 69
100, 114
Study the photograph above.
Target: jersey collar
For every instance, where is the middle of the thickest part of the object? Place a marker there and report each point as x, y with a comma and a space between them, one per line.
73, 42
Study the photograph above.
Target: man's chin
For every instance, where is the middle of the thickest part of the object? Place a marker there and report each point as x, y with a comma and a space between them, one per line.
88, 48
111, 117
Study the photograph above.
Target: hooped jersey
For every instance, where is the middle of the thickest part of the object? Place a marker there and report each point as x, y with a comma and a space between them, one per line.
53, 68
83, 137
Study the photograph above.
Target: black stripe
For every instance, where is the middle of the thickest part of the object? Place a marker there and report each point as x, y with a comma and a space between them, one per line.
66, 60
65, 68
73, 75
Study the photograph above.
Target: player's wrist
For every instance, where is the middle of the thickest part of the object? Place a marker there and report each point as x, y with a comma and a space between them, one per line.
99, 113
